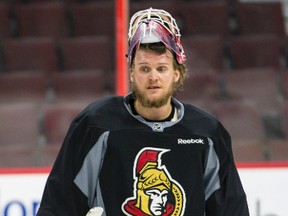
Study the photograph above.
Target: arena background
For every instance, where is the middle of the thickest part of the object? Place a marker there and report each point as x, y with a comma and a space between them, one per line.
57, 56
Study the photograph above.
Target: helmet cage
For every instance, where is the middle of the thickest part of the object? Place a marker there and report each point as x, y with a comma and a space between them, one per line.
160, 16
159, 22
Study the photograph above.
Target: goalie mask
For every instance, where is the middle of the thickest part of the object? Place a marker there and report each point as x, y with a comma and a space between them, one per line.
152, 26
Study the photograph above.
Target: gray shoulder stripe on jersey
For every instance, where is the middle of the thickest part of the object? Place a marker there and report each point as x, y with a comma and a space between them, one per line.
87, 178
211, 174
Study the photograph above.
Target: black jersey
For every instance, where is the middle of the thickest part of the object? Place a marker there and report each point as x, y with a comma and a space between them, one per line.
116, 160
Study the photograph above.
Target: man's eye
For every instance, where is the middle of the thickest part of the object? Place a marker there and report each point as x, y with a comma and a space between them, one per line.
144, 69
162, 69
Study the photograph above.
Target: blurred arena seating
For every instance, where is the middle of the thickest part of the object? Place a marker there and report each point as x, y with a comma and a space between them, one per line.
207, 52
260, 18
200, 18
94, 18
201, 85
56, 117
257, 51
57, 56
47, 19
245, 126
19, 130
4, 21
22, 86
85, 85
258, 85
79, 53
28, 54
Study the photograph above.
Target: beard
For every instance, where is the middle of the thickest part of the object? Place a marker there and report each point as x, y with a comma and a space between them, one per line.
148, 103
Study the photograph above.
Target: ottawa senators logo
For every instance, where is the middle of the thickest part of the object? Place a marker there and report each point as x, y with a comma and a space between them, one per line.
155, 192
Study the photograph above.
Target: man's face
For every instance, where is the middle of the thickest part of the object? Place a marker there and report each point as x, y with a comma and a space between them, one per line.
153, 78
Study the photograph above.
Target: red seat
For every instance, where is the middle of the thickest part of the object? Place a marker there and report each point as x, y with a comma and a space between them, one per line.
57, 119
87, 53
49, 1
201, 86
284, 84
255, 85
4, 21
11, 2
284, 47
279, 150
22, 86
136, 6
205, 52
242, 120
248, 151
30, 54
255, 51
48, 154
93, 19
41, 19
19, 125
203, 18
18, 156
78, 85
260, 18
284, 116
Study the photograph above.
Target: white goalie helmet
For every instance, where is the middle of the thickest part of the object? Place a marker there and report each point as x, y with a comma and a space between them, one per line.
152, 26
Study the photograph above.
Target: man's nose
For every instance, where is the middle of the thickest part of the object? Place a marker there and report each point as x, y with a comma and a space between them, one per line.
153, 76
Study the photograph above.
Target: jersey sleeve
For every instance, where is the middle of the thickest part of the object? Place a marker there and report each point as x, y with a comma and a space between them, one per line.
61, 195
230, 198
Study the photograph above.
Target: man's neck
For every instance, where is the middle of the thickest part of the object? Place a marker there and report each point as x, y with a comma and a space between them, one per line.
153, 114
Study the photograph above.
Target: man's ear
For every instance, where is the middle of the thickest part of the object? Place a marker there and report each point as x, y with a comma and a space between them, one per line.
131, 76
176, 76
131, 73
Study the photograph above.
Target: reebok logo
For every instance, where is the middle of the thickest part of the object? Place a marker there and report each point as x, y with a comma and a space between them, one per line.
190, 141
